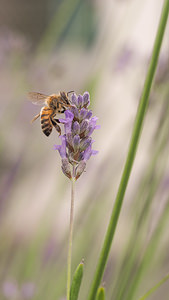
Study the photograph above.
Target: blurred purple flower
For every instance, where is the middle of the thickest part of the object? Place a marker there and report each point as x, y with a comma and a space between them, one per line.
28, 290
12, 43
124, 59
76, 146
10, 289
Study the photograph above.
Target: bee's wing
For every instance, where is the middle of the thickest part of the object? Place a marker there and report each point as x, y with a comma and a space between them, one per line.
37, 98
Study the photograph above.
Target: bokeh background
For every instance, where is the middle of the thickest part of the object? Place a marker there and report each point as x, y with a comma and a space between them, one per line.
103, 47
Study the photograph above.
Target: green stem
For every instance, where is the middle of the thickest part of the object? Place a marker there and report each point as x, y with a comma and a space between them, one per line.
152, 290
131, 152
69, 258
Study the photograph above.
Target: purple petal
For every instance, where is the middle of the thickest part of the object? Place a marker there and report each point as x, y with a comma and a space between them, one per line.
68, 121
92, 126
61, 148
68, 127
88, 152
94, 152
94, 119
69, 115
63, 121
89, 114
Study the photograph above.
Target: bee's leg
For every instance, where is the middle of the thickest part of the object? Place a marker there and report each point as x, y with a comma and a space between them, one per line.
57, 120
57, 127
36, 117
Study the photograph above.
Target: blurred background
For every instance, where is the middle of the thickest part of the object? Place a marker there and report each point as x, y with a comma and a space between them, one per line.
102, 47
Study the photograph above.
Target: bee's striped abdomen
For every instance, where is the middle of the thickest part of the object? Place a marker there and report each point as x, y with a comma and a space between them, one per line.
46, 123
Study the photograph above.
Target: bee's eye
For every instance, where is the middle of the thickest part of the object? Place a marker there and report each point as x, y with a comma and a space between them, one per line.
54, 104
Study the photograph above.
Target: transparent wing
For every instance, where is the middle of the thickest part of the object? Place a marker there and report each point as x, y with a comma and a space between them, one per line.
37, 98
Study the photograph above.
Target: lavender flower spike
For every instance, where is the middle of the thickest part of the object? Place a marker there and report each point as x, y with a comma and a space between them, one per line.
76, 147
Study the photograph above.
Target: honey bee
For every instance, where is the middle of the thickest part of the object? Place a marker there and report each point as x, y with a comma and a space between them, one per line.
54, 104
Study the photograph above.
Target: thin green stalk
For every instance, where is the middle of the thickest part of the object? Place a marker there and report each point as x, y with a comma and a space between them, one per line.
152, 290
69, 258
131, 152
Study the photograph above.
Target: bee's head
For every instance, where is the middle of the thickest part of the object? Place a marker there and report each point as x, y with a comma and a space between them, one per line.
65, 98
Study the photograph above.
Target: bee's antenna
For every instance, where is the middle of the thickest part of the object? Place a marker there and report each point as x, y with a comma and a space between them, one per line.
70, 92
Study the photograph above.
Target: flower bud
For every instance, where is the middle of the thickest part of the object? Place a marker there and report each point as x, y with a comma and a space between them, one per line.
80, 169
80, 101
76, 142
82, 114
66, 168
76, 128
85, 143
86, 99
84, 125
74, 99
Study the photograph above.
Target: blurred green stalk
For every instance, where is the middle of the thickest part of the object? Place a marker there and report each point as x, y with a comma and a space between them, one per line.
152, 290
154, 173
131, 152
148, 254
57, 25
